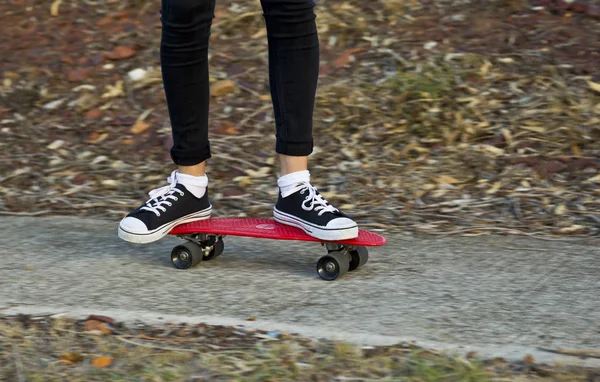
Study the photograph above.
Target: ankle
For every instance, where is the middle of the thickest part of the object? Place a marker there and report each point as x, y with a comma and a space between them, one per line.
291, 164
194, 170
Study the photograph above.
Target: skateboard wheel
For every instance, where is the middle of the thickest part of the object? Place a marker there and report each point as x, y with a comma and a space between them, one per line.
186, 255
360, 256
333, 265
216, 250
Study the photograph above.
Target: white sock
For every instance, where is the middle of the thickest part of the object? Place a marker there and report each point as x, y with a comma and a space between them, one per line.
195, 184
288, 182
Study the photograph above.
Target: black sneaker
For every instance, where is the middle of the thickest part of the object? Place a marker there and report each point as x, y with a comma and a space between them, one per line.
167, 207
305, 208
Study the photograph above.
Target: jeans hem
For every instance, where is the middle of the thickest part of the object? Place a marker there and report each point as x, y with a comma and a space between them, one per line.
297, 149
190, 157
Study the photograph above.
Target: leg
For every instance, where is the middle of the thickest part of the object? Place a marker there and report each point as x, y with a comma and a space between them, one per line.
184, 62
290, 164
293, 74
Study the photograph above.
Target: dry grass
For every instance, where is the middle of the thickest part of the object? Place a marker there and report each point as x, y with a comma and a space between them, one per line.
46, 349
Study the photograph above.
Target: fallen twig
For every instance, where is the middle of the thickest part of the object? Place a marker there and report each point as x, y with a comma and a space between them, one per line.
586, 353
33, 213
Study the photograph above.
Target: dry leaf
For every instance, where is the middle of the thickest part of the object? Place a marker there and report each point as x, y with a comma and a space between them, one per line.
54, 7
120, 52
110, 182
29, 268
262, 32
102, 361
56, 144
260, 173
595, 179
561, 209
493, 149
344, 59
104, 21
222, 88
93, 114
227, 128
439, 193
70, 358
54, 104
594, 85
536, 129
78, 74
571, 229
114, 91
243, 180
495, 188
430, 45
485, 68
96, 137
95, 325
506, 60
507, 136
139, 126
447, 179
528, 359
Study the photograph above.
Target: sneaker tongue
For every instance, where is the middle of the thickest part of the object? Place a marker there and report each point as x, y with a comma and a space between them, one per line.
158, 192
289, 190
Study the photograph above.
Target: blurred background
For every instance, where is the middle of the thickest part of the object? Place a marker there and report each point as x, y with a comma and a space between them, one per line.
432, 116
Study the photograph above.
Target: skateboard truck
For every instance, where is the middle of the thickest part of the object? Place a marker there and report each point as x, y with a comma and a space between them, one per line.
197, 248
341, 258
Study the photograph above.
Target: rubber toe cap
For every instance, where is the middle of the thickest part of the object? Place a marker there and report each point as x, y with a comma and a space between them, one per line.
133, 225
341, 223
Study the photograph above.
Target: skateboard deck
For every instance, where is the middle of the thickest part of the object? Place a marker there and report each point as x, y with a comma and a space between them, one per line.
204, 241
266, 229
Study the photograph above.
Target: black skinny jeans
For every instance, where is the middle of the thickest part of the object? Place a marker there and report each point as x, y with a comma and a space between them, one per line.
293, 71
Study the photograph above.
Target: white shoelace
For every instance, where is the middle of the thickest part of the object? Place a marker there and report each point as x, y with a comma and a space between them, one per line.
159, 197
317, 202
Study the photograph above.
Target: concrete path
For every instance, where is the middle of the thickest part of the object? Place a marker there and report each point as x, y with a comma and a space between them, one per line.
500, 296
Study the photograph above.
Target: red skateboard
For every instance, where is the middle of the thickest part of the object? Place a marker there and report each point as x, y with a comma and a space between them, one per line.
204, 241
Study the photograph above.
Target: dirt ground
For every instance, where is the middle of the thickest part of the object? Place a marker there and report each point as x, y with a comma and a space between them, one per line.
438, 117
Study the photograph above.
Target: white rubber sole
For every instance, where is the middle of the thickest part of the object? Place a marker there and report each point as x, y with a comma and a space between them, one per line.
160, 232
332, 234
